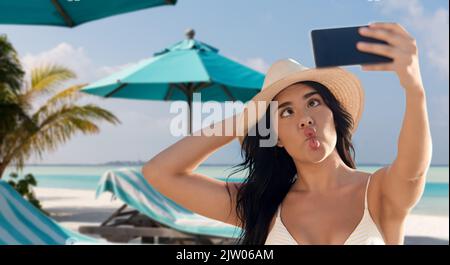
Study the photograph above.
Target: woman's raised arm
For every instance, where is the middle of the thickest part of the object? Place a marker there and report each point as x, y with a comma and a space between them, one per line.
171, 172
402, 183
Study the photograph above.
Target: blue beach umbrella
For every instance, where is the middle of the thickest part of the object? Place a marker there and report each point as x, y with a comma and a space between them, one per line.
69, 13
177, 72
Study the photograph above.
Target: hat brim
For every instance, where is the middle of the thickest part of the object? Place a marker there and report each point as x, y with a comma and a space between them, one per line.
344, 85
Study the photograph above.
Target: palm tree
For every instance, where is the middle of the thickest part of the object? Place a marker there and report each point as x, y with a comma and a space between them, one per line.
11, 72
11, 78
33, 131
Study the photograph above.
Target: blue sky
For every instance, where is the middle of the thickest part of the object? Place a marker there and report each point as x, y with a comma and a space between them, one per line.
255, 33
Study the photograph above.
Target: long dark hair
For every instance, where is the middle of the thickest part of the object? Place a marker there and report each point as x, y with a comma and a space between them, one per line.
271, 171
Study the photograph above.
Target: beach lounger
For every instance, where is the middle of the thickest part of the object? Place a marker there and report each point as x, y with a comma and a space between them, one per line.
23, 224
149, 215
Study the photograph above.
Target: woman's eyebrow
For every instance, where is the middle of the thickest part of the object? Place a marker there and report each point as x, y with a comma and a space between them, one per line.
306, 96
309, 94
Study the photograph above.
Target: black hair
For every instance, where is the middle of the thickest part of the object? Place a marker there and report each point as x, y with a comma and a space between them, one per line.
270, 172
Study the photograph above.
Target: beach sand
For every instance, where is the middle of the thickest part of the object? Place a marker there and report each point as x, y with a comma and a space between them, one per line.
75, 208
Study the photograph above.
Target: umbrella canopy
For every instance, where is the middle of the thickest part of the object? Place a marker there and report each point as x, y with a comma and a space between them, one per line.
68, 13
188, 67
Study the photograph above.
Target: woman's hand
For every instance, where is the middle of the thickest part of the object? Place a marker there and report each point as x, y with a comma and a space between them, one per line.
402, 49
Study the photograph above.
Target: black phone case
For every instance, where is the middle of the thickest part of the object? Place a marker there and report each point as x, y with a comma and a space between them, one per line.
337, 47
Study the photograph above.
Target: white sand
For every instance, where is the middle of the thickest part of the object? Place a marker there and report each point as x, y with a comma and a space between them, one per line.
75, 208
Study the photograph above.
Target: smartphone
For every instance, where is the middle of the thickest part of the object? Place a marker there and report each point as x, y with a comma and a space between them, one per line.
337, 47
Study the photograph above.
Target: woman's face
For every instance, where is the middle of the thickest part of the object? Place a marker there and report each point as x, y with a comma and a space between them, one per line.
305, 124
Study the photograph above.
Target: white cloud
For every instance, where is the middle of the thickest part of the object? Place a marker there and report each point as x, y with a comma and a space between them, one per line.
411, 7
257, 63
63, 54
433, 30
109, 70
76, 59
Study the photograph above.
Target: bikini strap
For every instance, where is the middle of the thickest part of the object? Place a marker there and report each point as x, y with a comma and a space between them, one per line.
366, 206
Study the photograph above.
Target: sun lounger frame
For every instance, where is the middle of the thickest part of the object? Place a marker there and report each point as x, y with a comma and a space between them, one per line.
125, 225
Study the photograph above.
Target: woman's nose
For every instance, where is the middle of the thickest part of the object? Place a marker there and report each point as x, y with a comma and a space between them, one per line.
305, 122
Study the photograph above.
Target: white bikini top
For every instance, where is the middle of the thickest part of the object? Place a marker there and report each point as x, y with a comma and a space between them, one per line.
365, 233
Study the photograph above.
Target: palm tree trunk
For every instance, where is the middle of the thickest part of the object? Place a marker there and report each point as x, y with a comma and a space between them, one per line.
2, 169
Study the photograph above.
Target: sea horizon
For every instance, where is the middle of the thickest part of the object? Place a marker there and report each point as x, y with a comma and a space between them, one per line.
435, 200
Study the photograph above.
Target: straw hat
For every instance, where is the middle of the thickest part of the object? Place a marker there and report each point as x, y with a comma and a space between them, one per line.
342, 84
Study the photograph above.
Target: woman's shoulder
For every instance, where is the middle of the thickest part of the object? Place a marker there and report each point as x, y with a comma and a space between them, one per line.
357, 178
374, 192
361, 174
375, 177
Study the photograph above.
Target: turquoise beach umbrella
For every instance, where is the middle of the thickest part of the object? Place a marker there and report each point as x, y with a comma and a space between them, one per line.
177, 72
68, 13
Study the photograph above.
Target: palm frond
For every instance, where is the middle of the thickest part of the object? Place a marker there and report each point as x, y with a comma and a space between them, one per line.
11, 72
59, 127
67, 96
45, 78
14, 120
23, 134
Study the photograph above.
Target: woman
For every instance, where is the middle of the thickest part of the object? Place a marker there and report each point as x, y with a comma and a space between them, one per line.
306, 189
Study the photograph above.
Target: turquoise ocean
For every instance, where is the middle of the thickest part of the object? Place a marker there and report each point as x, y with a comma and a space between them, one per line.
435, 200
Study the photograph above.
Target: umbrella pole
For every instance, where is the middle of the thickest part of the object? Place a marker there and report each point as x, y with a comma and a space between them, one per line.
188, 91
190, 113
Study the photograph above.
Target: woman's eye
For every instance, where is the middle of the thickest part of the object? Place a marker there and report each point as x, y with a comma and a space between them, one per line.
313, 102
286, 112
